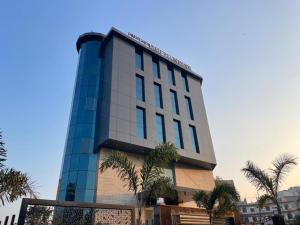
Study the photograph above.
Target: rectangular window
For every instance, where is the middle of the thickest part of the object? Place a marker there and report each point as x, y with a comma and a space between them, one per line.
174, 102
155, 68
177, 134
160, 129
139, 59
140, 123
171, 76
193, 134
185, 82
188, 106
158, 96
139, 88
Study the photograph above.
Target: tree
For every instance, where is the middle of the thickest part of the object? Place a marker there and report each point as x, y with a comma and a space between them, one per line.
149, 179
221, 199
270, 183
38, 215
13, 183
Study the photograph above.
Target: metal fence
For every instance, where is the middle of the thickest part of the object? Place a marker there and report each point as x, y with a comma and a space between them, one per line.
49, 212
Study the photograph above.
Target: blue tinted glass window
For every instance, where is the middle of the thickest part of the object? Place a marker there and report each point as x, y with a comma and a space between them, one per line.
140, 123
177, 134
140, 91
81, 182
185, 82
92, 162
155, 68
89, 195
66, 165
158, 95
139, 60
83, 161
74, 162
188, 106
90, 183
171, 77
160, 129
193, 134
64, 181
174, 102
72, 178
79, 195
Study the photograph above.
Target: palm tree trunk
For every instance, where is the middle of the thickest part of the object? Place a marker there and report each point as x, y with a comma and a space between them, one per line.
278, 207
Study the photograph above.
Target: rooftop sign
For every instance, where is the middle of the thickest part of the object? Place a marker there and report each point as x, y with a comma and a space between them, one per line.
160, 52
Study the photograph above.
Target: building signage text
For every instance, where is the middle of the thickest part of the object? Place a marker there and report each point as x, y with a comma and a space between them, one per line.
160, 52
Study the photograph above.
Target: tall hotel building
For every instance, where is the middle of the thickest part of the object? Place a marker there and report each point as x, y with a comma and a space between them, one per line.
131, 96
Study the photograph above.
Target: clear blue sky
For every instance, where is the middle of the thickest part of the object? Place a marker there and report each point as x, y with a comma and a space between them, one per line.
247, 51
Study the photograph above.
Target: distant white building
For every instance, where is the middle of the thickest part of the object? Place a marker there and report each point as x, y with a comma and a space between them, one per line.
289, 202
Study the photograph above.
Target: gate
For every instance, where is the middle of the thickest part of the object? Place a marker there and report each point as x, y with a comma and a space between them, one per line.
50, 212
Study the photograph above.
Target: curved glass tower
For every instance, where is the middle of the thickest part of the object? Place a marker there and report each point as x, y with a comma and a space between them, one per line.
78, 174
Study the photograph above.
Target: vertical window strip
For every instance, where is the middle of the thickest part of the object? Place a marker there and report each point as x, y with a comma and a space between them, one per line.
185, 82
158, 95
155, 68
178, 134
193, 134
171, 76
174, 102
160, 129
189, 109
141, 123
140, 88
139, 64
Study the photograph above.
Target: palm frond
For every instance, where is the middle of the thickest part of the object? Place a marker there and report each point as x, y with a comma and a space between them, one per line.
160, 187
3, 152
157, 159
15, 184
203, 199
125, 168
258, 177
282, 166
262, 200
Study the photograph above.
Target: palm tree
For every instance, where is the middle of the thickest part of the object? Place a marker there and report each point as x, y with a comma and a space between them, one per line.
221, 199
149, 179
13, 183
270, 183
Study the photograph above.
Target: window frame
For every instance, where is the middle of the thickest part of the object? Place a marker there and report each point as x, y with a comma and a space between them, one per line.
163, 129
179, 129
144, 122
172, 81
194, 138
185, 82
161, 104
189, 107
137, 76
155, 61
175, 101
140, 53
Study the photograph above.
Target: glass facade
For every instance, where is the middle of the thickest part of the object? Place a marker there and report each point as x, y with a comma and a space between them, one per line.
160, 129
177, 134
140, 89
78, 175
174, 102
155, 68
158, 96
185, 82
193, 134
188, 106
171, 76
139, 60
140, 123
